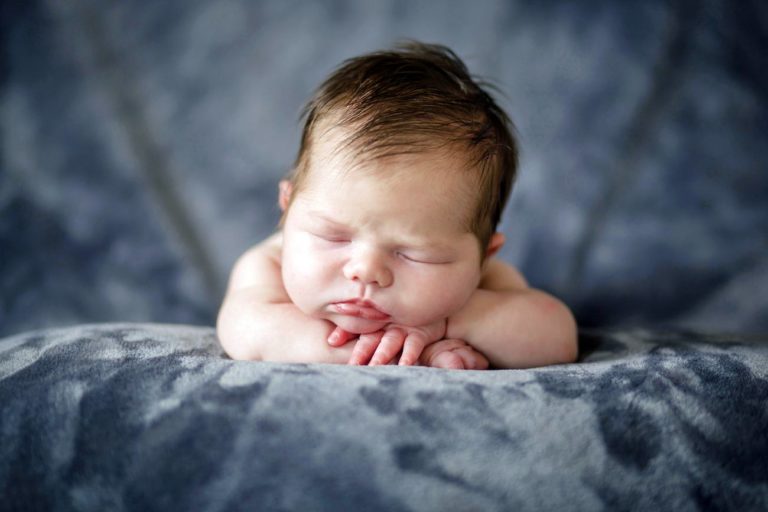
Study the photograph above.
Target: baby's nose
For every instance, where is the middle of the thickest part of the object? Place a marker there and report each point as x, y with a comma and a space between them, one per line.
369, 267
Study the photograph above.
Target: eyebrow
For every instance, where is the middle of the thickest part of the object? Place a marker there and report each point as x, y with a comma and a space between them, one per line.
324, 218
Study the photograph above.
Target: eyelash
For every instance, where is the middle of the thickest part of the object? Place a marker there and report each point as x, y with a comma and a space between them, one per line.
333, 240
406, 257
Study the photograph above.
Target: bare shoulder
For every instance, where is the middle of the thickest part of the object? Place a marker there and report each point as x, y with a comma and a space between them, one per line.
259, 266
498, 275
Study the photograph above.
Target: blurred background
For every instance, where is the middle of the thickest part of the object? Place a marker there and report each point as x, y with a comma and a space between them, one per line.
142, 144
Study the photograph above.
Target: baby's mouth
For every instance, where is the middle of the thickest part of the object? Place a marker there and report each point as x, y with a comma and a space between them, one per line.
360, 308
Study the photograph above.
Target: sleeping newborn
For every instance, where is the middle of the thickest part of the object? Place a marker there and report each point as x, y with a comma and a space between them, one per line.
385, 252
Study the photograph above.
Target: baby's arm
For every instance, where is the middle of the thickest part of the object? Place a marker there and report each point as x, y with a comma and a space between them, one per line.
258, 321
513, 325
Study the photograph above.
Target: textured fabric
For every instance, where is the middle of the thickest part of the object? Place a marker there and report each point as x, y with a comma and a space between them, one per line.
155, 417
141, 146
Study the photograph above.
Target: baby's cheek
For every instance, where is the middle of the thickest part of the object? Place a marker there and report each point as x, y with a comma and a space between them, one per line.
296, 279
431, 303
307, 281
450, 303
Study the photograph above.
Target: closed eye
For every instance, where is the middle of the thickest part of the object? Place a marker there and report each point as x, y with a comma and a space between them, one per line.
420, 259
331, 238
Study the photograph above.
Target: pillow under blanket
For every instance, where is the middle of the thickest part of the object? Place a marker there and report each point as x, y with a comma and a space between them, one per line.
155, 417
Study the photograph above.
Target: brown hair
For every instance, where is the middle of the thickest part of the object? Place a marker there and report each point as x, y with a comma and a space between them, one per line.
415, 98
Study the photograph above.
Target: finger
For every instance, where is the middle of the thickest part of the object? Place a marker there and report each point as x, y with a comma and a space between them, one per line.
365, 347
448, 360
472, 359
339, 337
390, 345
431, 350
412, 348
395, 359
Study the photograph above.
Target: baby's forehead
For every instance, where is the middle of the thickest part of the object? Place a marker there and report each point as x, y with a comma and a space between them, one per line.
333, 160
432, 178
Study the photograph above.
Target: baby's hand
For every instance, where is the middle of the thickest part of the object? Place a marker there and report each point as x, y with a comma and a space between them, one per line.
453, 354
382, 347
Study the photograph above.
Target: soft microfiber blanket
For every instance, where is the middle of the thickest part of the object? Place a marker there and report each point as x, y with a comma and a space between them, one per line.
155, 417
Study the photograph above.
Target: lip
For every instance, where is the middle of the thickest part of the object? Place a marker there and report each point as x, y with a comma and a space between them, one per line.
360, 308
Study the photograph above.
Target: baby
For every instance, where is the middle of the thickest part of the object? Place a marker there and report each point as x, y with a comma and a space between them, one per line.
386, 249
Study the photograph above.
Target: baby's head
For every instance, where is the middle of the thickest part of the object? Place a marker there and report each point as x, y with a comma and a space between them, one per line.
404, 169
416, 99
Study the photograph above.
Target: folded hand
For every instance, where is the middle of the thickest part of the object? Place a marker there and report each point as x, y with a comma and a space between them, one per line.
383, 346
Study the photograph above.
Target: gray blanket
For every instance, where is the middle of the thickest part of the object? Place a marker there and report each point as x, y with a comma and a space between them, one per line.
141, 144
155, 417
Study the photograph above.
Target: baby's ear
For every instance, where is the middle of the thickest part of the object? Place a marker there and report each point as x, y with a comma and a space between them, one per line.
496, 243
286, 189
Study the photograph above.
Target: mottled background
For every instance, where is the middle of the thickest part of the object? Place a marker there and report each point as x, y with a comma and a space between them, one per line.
142, 144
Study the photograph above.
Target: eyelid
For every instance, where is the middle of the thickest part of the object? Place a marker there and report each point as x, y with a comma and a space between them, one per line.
419, 260
406, 257
332, 238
